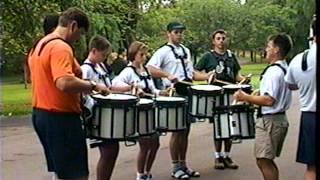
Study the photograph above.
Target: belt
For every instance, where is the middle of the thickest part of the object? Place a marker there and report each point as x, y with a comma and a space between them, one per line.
277, 113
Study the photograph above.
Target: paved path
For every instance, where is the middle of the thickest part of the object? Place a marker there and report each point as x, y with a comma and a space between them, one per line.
22, 157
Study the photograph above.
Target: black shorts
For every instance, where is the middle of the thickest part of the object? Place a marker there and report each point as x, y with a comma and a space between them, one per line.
307, 142
63, 141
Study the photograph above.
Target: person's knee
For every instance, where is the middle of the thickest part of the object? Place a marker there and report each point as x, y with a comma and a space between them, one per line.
311, 168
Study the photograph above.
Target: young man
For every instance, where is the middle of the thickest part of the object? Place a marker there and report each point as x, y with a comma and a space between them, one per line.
172, 62
94, 69
274, 99
302, 76
227, 68
56, 97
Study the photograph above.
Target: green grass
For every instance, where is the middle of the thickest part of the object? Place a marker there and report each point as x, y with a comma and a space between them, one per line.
17, 100
255, 70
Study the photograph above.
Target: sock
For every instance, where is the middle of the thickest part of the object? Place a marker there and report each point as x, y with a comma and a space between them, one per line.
175, 165
139, 175
183, 163
217, 154
226, 154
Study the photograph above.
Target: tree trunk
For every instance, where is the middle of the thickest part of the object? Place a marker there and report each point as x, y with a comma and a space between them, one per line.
251, 56
243, 53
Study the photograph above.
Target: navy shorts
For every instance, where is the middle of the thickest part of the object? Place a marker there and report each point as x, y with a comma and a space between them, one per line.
307, 142
63, 141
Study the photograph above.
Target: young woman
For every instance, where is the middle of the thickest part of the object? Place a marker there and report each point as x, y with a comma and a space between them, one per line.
136, 73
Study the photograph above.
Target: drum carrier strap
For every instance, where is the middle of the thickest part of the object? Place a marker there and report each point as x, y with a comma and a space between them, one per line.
144, 78
101, 76
259, 113
304, 63
181, 89
182, 58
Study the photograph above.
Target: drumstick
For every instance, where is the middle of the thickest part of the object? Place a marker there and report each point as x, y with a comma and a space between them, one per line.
255, 92
148, 94
171, 90
244, 79
223, 82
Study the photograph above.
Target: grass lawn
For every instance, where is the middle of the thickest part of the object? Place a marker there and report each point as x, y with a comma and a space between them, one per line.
16, 100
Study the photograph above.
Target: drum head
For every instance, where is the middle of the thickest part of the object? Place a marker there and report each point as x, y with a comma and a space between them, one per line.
165, 98
236, 86
120, 97
205, 87
145, 101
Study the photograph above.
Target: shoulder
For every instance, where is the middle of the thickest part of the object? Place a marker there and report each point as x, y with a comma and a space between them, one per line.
163, 49
296, 60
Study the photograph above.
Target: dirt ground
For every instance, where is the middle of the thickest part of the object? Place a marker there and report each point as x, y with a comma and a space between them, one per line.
22, 156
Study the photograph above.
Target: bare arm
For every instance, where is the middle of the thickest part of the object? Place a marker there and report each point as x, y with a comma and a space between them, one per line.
158, 73
71, 84
200, 76
121, 88
263, 100
239, 77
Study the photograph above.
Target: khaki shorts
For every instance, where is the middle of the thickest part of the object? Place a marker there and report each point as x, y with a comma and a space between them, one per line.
271, 131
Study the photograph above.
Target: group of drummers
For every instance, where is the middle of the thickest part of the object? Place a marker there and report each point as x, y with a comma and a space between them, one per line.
138, 108
149, 97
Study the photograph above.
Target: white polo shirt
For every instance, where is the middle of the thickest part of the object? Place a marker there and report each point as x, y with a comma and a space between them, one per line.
127, 77
99, 77
305, 80
273, 84
165, 60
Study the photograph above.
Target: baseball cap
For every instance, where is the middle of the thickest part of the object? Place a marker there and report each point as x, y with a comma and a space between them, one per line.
175, 25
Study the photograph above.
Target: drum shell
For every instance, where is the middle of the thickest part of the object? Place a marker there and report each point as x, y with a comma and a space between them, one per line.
235, 122
171, 115
202, 103
146, 119
114, 119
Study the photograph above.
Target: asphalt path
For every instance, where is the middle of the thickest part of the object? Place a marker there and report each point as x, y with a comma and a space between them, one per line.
22, 157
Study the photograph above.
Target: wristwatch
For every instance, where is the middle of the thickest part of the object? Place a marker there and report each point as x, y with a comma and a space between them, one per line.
93, 85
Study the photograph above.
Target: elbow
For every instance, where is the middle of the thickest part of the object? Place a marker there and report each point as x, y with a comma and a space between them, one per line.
269, 101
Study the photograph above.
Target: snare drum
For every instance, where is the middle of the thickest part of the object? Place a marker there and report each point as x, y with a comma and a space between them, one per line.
203, 100
171, 113
146, 117
235, 122
114, 117
229, 90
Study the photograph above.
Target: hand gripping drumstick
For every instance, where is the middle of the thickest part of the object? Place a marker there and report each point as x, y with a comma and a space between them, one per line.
244, 79
216, 80
171, 90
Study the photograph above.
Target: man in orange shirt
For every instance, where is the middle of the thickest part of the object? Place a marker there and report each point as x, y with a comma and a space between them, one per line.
56, 97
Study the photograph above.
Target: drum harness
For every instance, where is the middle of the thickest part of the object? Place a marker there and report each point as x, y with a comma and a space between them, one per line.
259, 113
181, 86
143, 77
101, 76
304, 63
223, 70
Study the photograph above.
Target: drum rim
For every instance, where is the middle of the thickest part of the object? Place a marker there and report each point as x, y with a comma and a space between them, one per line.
236, 86
167, 99
206, 85
117, 94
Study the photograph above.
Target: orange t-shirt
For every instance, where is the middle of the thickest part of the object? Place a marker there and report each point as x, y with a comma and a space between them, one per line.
55, 60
